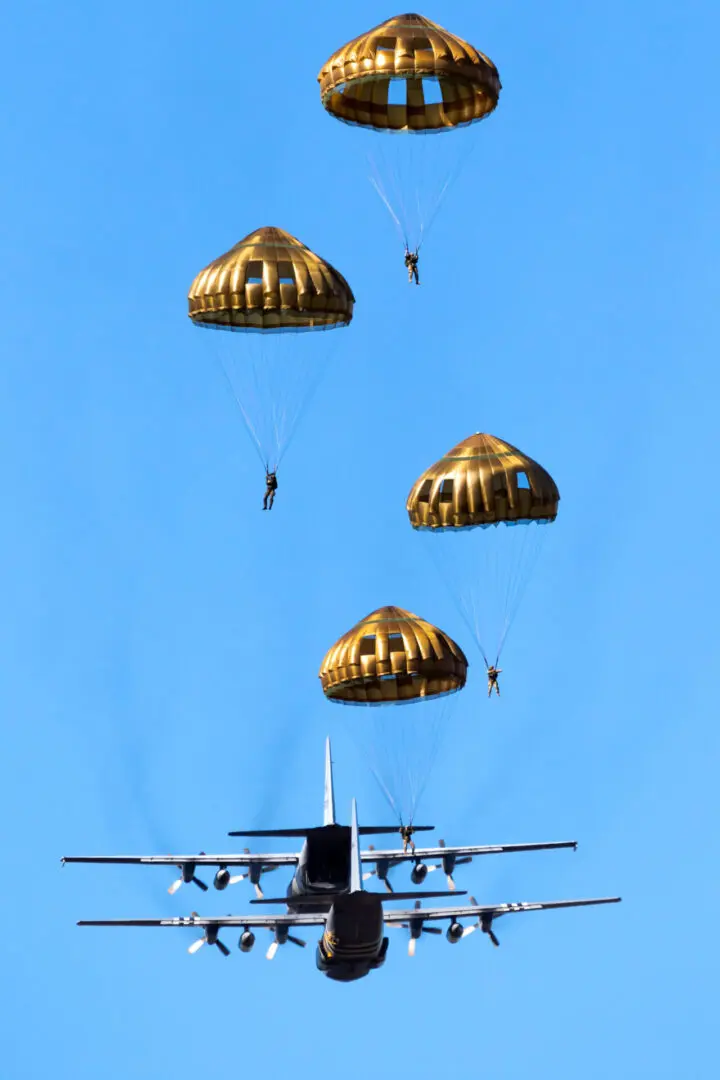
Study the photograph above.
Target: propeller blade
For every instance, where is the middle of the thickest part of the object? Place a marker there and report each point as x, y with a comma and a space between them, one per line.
450, 881
196, 945
431, 930
234, 880
467, 930
223, 948
368, 874
272, 950
175, 886
297, 941
259, 892
387, 885
412, 943
200, 884
494, 940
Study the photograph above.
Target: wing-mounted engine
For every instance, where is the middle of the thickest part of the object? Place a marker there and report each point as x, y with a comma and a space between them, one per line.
484, 923
416, 926
381, 871
210, 937
281, 936
187, 876
448, 863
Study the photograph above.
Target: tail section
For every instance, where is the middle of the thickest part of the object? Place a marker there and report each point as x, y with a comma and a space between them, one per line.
356, 882
329, 805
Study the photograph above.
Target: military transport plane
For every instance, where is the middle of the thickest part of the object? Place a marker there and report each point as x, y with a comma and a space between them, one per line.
322, 867
353, 942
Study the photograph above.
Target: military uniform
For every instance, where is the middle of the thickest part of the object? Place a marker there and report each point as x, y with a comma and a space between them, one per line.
406, 831
411, 261
271, 482
492, 673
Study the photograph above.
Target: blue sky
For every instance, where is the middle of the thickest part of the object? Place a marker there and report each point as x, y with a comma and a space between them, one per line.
161, 637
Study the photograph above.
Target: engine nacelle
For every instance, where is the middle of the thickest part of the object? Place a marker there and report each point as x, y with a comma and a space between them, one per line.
247, 940
454, 933
188, 872
222, 878
211, 934
418, 873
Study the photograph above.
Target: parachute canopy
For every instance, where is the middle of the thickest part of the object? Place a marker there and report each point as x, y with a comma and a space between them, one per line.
355, 82
482, 481
392, 656
270, 281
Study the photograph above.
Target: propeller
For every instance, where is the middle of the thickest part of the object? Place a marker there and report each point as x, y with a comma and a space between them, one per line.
253, 875
448, 864
187, 875
484, 923
210, 937
416, 928
382, 868
281, 937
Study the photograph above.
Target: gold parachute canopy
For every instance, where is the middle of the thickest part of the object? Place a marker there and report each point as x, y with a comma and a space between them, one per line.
270, 281
482, 481
392, 656
355, 81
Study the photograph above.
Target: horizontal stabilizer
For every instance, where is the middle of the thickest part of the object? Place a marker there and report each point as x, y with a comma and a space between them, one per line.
330, 898
271, 832
364, 830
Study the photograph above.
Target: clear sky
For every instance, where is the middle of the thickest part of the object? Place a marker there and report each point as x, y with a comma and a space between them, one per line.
161, 636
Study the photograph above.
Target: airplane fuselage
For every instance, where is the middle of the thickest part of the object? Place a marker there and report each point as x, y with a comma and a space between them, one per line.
323, 868
353, 943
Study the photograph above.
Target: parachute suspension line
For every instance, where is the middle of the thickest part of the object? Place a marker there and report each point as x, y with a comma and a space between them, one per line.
386, 792
450, 179
304, 402
421, 781
525, 566
377, 184
413, 172
273, 380
464, 605
400, 745
248, 423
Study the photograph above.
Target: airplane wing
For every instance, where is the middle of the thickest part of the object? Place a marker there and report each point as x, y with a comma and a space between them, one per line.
492, 911
202, 922
398, 856
246, 859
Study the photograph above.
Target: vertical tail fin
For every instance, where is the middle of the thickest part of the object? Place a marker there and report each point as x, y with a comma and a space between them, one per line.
329, 805
356, 882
